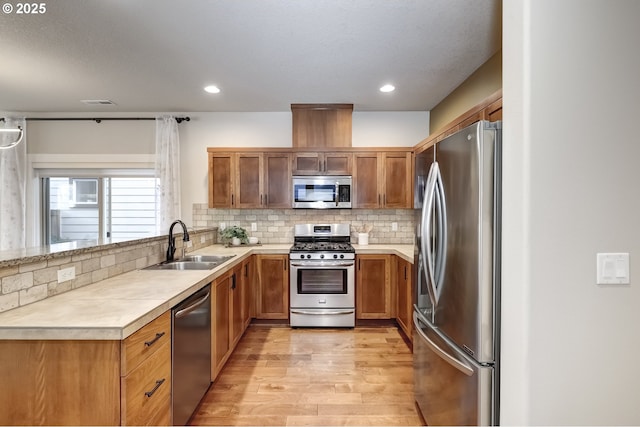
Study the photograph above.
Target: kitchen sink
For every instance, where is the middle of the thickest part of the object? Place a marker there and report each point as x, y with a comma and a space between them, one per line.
206, 258
192, 262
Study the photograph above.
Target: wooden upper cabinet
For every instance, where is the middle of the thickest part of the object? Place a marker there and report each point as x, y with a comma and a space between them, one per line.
382, 180
397, 175
322, 163
366, 186
249, 181
321, 125
221, 179
277, 180
493, 112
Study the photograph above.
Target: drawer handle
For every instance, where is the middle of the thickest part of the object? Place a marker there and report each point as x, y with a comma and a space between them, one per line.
150, 343
158, 384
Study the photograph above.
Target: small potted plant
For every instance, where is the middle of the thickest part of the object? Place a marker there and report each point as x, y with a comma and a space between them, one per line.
234, 235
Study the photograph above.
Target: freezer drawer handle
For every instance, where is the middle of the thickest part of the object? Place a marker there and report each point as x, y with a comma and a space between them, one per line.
459, 365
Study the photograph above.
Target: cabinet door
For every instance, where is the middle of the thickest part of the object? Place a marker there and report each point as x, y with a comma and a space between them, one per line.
249, 181
397, 180
221, 174
306, 163
404, 309
220, 323
366, 188
337, 163
373, 287
277, 180
237, 322
273, 295
248, 289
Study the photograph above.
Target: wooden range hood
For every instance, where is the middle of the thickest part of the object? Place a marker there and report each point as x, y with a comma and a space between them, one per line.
321, 125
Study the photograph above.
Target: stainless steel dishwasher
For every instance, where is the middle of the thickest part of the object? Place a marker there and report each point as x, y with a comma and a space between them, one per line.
190, 353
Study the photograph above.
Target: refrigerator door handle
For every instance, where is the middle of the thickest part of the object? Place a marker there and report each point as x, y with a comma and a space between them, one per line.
434, 199
427, 232
456, 363
441, 236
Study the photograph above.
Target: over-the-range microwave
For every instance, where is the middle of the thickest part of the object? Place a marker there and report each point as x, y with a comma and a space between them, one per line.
322, 192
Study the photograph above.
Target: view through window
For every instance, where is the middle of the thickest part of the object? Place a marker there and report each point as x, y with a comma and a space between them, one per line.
89, 208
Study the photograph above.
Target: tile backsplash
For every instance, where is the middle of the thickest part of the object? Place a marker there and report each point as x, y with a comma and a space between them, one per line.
276, 225
29, 280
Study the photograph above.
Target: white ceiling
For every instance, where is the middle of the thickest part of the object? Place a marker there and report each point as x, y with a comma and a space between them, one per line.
157, 55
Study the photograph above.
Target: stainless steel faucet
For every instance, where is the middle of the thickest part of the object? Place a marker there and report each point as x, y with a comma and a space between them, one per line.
172, 241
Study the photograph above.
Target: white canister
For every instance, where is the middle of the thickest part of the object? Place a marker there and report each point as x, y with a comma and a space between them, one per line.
363, 238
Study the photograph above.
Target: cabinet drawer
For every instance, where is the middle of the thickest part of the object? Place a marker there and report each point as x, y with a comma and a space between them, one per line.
143, 343
146, 391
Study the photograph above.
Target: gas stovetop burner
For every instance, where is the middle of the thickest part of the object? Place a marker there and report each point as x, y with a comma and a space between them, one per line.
322, 247
322, 241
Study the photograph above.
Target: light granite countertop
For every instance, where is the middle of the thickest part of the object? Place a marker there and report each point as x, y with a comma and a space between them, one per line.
115, 308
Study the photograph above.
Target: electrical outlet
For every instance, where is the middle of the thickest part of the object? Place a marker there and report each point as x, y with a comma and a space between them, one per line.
66, 274
223, 226
202, 239
394, 226
254, 226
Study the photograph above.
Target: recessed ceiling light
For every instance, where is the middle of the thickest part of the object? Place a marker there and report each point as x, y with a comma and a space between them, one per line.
212, 89
387, 88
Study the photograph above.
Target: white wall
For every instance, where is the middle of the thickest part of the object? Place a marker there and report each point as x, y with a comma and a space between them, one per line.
260, 129
571, 96
89, 137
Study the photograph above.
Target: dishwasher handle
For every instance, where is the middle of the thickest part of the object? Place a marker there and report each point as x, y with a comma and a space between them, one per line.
184, 311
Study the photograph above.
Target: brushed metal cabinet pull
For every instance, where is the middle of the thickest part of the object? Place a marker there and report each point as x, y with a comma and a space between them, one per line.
158, 384
150, 343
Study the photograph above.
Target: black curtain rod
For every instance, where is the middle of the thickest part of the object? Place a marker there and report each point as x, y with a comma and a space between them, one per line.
98, 119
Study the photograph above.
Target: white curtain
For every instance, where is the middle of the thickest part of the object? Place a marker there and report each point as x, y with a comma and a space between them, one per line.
168, 171
13, 185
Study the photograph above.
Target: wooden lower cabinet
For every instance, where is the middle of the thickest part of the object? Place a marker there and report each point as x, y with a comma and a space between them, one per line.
231, 297
404, 311
373, 287
146, 391
272, 301
88, 382
248, 289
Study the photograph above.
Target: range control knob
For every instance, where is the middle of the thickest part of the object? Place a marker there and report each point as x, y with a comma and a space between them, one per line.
335, 256
308, 256
321, 256
302, 256
341, 255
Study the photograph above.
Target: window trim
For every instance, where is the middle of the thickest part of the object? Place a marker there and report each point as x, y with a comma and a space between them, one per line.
78, 165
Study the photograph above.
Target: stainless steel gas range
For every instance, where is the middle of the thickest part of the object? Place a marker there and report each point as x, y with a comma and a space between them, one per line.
322, 263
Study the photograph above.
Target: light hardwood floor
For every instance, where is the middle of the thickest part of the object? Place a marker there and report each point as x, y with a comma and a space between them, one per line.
310, 377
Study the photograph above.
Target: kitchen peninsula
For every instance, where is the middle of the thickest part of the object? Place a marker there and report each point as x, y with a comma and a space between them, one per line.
80, 346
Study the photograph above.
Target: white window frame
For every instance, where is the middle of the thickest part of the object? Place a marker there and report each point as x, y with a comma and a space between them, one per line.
76, 165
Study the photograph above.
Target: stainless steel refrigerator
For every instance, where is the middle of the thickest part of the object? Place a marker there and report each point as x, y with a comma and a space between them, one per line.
457, 276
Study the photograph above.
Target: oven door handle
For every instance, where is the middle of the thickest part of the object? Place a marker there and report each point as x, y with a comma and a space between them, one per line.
321, 264
322, 313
